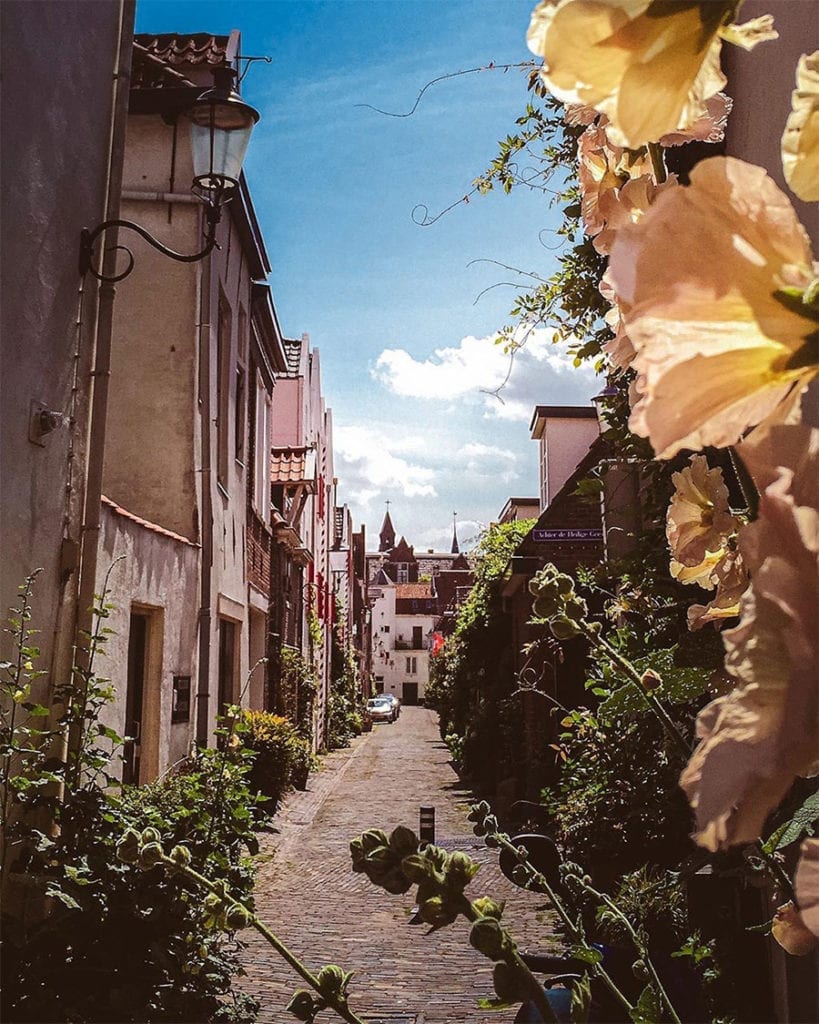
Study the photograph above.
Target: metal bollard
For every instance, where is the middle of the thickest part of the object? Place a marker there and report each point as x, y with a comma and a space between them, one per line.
426, 831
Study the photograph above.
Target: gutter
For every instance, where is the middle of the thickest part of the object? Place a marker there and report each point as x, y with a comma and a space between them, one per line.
101, 371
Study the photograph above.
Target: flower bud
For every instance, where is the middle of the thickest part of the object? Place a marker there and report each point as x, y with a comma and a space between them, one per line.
395, 882
639, 970
302, 1005
563, 628
438, 856
181, 856
417, 868
372, 838
461, 869
236, 917
487, 936
330, 979
437, 911
149, 835
485, 906
650, 680
403, 841
520, 875
128, 847
150, 855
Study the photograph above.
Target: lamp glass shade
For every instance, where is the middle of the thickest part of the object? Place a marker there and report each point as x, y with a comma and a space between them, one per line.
221, 124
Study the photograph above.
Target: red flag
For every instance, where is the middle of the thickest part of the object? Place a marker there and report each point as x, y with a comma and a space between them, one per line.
437, 644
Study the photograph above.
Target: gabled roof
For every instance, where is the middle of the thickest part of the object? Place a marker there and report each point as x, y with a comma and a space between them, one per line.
402, 552
461, 562
292, 465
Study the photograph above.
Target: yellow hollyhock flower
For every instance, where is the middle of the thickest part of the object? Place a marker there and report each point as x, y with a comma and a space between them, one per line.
698, 520
800, 143
730, 578
649, 65
715, 284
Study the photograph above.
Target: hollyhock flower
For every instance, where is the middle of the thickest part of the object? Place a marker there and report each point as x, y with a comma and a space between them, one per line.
701, 574
626, 205
709, 126
712, 283
758, 738
698, 519
648, 66
603, 168
807, 884
800, 143
730, 577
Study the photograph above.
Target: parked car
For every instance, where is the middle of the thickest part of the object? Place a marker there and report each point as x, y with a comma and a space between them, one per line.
380, 709
396, 703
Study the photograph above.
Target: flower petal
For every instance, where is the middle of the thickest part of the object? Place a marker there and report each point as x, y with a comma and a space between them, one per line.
800, 143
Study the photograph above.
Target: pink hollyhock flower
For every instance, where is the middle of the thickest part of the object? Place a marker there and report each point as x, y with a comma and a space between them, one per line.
715, 287
758, 738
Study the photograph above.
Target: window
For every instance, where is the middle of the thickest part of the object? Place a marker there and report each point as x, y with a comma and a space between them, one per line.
261, 470
402, 571
241, 391
223, 389
385, 629
412, 666
181, 707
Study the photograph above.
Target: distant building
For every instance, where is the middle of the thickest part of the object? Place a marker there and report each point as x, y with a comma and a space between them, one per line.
408, 594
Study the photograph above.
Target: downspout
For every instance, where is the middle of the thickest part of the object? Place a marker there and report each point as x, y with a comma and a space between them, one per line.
101, 372
206, 589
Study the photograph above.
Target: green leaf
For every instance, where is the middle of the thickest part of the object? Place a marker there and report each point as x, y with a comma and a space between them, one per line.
587, 954
494, 1004
63, 897
648, 1009
801, 822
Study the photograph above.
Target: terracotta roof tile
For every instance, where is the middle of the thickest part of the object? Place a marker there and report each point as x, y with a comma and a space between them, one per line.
291, 465
120, 511
194, 48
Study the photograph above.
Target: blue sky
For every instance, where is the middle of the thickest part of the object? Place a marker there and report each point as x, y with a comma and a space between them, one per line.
405, 342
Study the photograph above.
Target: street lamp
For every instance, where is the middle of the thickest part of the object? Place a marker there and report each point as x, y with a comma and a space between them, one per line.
220, 126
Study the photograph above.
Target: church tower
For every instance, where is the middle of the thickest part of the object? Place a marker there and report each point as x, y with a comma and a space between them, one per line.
387, 534
455, 549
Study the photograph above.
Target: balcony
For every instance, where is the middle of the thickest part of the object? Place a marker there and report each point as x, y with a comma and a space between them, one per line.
409, 645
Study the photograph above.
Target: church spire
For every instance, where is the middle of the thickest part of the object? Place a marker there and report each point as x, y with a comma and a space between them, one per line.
455, 549
387, 534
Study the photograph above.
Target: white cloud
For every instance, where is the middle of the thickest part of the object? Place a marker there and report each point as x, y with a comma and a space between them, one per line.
488, 460
369, 466
478, 370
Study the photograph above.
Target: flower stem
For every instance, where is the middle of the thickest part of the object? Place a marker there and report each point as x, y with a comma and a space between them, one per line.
542, 885
651, 701
511, 956
337, 1003
655, 155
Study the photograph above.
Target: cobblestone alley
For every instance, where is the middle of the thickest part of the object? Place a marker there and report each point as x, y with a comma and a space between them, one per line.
307, 893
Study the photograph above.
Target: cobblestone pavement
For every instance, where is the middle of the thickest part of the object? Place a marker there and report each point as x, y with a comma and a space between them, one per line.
326, 914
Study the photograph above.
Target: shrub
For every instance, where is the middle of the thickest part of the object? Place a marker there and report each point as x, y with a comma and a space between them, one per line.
129, 945
282, 757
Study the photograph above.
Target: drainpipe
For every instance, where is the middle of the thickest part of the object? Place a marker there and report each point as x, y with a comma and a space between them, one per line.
206, 529
101, 371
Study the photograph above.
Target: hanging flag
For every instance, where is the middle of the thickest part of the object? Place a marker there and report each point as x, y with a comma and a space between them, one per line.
437, 644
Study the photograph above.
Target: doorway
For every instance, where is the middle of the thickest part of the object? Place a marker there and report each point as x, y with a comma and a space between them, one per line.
138, 636
409, 694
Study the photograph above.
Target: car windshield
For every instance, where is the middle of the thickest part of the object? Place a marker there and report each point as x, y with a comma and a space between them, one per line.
375, 701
